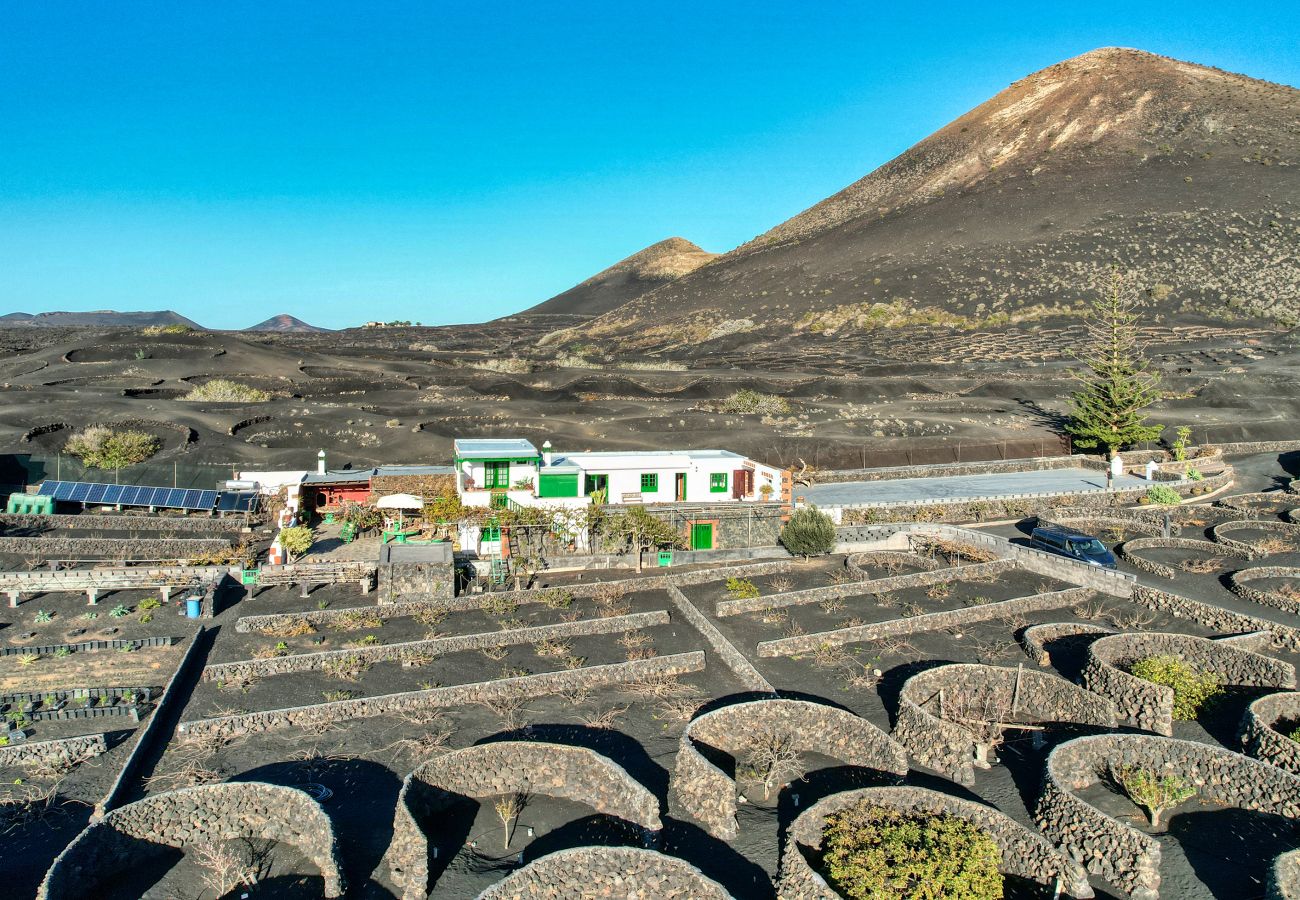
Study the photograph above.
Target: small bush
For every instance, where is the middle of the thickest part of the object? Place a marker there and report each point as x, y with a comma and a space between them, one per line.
296, 540
175, 328
1162, 495
1295, 734
104, 448
876, 853
746, 401
1195, 475
1154, 793
808, 533
223, 390
43, 615
119, 611
741, 588
149, 603
1192, 689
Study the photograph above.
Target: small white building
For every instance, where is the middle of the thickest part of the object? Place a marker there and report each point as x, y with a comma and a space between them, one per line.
498, 470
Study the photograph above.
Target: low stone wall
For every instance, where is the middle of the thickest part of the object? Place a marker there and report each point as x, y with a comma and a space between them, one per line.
1220, 533
1215, 617
1238, 584
63, 753
1035, 638
427, 649
588, 677
507, 767
1128, 550
191, 816
1261, 730
709, 794
1244, 447
876, 586
732, 658
1248, 503
1284, 877
807, 643
948, 470
1122, 855
113, 548
1096, 524
854, 562
1150, 706
1023, 853
94, 522
940, 708
606, 872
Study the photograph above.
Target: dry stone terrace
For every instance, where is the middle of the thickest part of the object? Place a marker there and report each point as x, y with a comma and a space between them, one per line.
653, 695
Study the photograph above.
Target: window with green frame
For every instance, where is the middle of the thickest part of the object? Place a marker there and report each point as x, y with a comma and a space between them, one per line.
718, 483
649, 482
490, 533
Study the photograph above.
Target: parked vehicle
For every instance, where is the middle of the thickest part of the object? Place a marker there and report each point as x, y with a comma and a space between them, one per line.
1074, 544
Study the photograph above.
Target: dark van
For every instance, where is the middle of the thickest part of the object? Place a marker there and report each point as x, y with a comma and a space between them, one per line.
1074, 544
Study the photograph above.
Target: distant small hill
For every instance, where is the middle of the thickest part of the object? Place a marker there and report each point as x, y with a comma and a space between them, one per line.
286, 323
651, 268
100, 318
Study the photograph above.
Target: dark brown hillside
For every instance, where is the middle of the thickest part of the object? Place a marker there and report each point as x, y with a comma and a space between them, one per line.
1182, 174
653, 267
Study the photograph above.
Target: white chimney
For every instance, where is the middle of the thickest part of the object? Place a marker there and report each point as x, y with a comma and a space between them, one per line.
320, 463
546, 453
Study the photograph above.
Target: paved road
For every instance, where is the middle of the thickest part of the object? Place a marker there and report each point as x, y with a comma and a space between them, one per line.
960, 487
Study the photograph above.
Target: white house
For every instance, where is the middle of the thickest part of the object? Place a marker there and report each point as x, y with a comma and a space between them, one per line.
496, 470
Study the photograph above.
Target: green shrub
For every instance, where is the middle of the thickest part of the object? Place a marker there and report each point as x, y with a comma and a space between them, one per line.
1165, 496
119, 611
43, 615
876, 853
808, 533
1295, 734
1192, 689
746, 402
104, 448
223, 390
1195, 475
149, 603
741, 588
1154, 793
296, 540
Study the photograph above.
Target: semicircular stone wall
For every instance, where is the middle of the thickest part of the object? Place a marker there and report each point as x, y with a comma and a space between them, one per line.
506, 767
1129, 549
1262, 730
191, 816
1150, 706
1239, 584
1124, 856
1024, 853
1036, 639
620, 872
940, 709
709, 794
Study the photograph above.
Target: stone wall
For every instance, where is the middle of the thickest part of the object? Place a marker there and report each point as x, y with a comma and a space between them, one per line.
947, 470
589, 677
126, 522
606, 872
734, 660
566, 772
1034, 640
937, 710
1238, 584
426, 580
1249, 504
427, 649
113, 548
709, 794
854, 562
1035, 603
1215, 617
1150, 706
875, 586
1265, 730
1023, 853
191, 816
1122, 855
1220, 532
1129, 549
63, 753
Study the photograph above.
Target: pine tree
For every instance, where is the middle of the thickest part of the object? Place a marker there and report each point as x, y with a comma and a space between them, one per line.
1107, 411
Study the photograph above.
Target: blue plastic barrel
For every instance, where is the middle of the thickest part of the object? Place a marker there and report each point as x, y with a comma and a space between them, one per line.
193, 608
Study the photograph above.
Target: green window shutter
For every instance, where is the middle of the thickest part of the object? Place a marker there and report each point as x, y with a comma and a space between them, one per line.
650, 483
718, 483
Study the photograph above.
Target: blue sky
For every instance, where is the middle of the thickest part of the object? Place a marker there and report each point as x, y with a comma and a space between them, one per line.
453, 162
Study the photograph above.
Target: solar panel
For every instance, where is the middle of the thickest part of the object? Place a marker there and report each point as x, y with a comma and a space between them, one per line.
129, 495
231, 501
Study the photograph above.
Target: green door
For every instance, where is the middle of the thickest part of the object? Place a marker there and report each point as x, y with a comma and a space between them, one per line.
702, 537
497, 475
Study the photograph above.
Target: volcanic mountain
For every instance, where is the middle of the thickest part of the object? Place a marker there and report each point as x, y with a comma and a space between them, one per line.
100, 318
655, 266
285, 323
1183, 176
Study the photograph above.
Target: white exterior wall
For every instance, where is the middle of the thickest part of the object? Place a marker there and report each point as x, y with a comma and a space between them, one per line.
477, 469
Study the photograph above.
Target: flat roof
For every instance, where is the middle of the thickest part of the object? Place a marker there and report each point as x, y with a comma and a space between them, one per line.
492, 448
342, 476
414, 470
634, 458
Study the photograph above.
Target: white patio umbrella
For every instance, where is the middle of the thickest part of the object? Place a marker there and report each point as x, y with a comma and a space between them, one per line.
400, 501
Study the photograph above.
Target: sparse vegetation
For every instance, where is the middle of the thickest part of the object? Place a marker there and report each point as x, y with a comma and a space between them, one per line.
223, 390
742, 588
100, 447
746, 402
